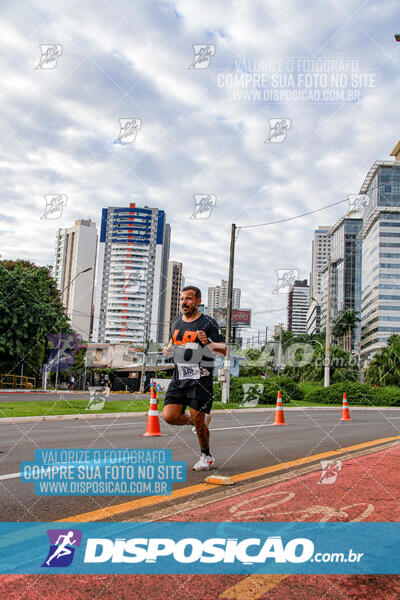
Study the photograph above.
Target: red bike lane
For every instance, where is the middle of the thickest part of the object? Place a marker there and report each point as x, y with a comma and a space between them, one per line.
364, 488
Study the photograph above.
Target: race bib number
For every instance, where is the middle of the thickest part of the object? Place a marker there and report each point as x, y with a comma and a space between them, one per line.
188, 371
192, 346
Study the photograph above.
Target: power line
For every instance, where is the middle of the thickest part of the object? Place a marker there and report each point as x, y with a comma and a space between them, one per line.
296, 217
394, 179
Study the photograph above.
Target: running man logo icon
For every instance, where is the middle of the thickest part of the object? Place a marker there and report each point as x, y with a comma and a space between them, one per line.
61, 551
203, 54
330, 470
357, 202
128, 129
203, 205
97, 397
62, 349
133, 279
252, 392
286, 277
50, 54
55, 204
278, 129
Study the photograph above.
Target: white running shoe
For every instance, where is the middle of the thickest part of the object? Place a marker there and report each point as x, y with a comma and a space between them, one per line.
206, 421
205, 463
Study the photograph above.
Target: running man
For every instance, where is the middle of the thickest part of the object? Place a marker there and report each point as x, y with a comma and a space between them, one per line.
195, 338
62, 549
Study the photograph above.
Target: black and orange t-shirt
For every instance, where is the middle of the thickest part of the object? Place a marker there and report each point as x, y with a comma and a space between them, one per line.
194, 362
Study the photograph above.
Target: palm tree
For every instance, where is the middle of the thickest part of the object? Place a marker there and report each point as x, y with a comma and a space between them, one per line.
384, 368
345, 326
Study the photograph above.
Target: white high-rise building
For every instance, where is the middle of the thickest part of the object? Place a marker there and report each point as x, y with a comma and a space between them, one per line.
132, 271
320, 254
174, 288
75, 252
298, 302
218, 296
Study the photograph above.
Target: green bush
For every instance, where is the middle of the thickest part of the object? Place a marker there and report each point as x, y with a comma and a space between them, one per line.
290, 390
388, 396
357, 393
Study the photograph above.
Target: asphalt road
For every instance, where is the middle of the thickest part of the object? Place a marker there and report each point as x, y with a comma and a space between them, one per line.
240, 442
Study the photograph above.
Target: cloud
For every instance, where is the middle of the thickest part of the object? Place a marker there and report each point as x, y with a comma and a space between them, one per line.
57, 128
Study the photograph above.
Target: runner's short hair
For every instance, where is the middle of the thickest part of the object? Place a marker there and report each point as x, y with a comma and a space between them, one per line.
194, 288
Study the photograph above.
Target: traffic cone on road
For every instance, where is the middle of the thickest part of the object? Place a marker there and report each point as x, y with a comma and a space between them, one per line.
153, 421
345, 409
279, 416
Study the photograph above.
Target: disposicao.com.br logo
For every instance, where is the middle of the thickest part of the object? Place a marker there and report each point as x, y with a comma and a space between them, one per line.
191, 550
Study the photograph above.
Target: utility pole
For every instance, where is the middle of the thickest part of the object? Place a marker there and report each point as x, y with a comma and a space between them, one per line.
227, 362
145, 348
280, 348
58, 361
85, 365
328, 328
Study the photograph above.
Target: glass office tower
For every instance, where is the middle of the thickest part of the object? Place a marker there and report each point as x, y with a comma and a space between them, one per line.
380, 235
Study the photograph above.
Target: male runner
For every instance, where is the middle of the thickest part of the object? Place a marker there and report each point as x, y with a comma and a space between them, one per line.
195, 338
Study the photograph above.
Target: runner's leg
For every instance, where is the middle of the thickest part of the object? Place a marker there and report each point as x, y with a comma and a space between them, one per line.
172, 414
203, 433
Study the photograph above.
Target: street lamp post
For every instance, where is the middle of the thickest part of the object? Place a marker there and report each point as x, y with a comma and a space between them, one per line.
145, 348
327, 370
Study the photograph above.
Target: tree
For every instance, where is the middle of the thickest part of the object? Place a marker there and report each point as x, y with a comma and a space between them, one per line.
345, 326
252, 354
30, 308
310, 366
384, 368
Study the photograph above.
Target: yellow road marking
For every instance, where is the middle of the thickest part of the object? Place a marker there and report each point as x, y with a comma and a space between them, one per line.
252, 587
117, 509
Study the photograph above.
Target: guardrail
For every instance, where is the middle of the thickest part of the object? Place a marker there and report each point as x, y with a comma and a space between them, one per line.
17, 381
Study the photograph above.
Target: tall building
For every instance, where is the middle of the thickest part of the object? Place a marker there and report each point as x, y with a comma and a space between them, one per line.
346, 268
320, 248
380, 235
131, 282
298, 302
75, 252
218, 297
174, 288
320, 254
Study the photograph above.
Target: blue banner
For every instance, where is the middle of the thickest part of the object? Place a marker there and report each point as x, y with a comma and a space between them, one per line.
103, 472
199, 548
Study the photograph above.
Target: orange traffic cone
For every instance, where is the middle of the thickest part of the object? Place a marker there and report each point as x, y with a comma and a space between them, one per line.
279, 416
345, 410
153, 422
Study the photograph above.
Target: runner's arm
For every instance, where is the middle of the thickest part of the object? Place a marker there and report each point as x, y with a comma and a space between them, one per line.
168, 349
217, 348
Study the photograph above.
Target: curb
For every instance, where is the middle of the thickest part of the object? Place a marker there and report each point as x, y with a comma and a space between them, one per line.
91, 416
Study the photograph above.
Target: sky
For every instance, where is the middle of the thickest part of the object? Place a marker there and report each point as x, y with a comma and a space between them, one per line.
199, 78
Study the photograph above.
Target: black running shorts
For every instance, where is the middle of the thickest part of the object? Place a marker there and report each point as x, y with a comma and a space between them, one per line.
198, 397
